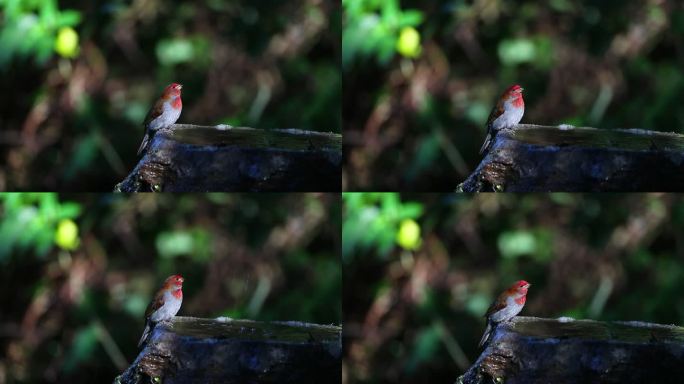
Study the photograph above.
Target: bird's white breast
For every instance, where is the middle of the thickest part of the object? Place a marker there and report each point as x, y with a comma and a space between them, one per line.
169, 309
511, 116
168, 116
511, 310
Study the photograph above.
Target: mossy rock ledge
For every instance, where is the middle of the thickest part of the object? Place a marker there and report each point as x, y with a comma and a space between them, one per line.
223, 350
534, 350
192, 158
535, 158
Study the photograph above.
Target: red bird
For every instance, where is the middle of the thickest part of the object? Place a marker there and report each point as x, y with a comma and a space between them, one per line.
163, 114
165, 305
506, 307
507, 113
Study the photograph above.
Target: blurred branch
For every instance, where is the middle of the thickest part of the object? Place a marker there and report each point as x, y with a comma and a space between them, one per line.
110, 345
263, 96
601, 296
451, 152
260, 294
452, 345
110, 154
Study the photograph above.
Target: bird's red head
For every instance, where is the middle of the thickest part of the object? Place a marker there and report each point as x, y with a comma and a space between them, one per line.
521, 286
175, 280
173, 89
515, 89
514, 94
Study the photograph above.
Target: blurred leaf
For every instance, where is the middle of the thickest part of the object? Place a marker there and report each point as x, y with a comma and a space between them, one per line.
81, 348
66, 43
68, 210
408, 236
518, 243
48, 13
135, 112
86, 150
195, 243
562, 5
544, 52
478, 112
135, 305
195, 50
176, 51
425, 347
562, 198
516, 51
426, 154
66, 236
408, 43
410, 18
477, 304
68, 18
537, 244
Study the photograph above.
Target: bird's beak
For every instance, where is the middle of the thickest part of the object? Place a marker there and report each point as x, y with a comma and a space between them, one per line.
180, 86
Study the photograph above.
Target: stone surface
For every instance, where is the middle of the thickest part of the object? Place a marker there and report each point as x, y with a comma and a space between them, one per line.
534, 158
533, 350
194, 350
189, 158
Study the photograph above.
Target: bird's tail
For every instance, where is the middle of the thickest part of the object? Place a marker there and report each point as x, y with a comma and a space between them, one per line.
485, 337
488, 139
146, 333
144, 143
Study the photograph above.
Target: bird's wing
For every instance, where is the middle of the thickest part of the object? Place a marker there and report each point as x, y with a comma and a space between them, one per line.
154, 112
495, 307
497, 111
155, 304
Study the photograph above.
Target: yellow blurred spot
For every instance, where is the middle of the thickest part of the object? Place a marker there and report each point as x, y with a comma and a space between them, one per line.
66, 236
408, 43
408, 236
66, 43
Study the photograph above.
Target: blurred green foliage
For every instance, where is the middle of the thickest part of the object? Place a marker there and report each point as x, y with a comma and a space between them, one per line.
415, 315
536, 243
379, 29
378, 221
36, 28
177, 51
33, 223
195, 242
83, 268
416, 122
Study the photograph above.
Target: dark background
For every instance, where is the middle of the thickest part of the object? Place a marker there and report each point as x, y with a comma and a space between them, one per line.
421, 270
78, 271
71, 114
415, 112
